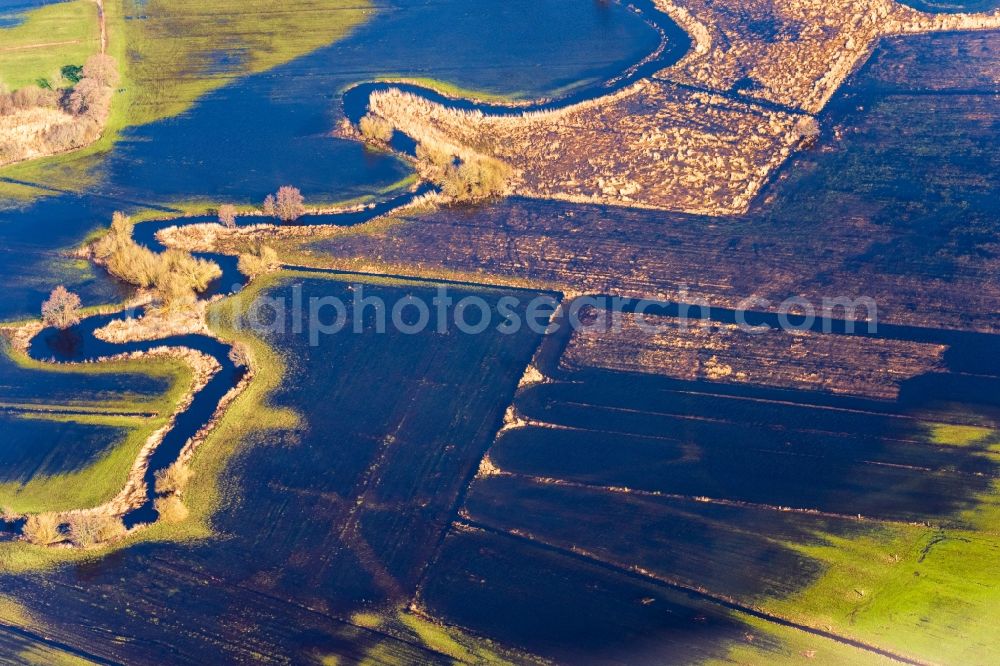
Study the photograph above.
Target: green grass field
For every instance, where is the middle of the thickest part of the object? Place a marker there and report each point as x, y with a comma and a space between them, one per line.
66, 33
102, 479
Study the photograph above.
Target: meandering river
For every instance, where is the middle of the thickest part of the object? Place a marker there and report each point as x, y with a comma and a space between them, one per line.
273, 128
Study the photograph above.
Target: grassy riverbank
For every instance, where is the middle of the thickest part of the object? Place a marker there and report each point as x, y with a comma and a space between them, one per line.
458, 92
247, 414
131, 417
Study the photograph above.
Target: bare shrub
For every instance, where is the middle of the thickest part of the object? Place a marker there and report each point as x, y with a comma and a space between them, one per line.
261, 259
288, 205
175, 293
11, 152
375, 129
90, 529
173, 479
240, 355
807, 129
35, 96
227, 215
66, 136
478, 177
102, 69
435, 157
269, 206
62, 309
27, 97
175, 273
170, 508
134, 264
197, 273
43, 529
484, 178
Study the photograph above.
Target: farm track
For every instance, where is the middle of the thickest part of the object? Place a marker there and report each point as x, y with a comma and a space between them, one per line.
43, 45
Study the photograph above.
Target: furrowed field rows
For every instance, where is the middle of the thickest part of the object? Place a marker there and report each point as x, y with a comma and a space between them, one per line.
334, 513
521, 593
725, 352
815, 574
601, 430
741, 551
751, 493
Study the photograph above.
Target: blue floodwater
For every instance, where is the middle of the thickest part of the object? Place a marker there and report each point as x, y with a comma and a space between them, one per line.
261, 131
265, 130
952, 6
12, 11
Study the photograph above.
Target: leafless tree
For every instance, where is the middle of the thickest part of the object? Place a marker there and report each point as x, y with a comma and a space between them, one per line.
227, 215
289, 204
62, 309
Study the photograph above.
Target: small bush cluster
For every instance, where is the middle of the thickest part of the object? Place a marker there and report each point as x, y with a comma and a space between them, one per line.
375, 129
240, 355
87, 100
174, 479
43, 529
92, 529
474, 179
261, 259
175, 274
171, 509
807, 130
170, 485
29, 97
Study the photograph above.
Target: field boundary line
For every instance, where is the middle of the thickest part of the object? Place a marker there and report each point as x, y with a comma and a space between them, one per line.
28, 47
728, 603
738, 504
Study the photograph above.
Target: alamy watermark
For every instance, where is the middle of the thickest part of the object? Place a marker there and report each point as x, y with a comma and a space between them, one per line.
366, 309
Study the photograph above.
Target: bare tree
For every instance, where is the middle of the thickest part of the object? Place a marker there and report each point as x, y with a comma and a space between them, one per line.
62, 310
227, 215
289, 204
102, 69
269, 207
